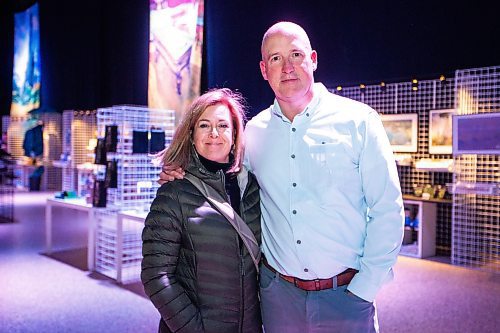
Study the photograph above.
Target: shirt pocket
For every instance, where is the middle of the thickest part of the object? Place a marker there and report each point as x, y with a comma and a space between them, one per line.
336, 164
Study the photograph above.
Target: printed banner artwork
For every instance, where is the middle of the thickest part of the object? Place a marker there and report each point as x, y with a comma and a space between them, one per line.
175, 53
26, 79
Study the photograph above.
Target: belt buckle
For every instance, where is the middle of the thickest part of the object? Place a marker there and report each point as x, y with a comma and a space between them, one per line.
317, 284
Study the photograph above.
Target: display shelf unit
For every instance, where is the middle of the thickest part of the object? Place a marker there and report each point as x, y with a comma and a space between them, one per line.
425, 245
435, 200
118, 246
441, 165
477, 188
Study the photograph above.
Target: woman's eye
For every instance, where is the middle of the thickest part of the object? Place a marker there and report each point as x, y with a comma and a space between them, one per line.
223, 126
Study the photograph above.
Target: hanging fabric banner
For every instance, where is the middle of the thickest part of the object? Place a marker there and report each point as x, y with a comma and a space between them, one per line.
26, 78
175, 51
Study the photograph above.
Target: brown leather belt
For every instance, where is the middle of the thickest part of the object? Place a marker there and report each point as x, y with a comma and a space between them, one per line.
315, 285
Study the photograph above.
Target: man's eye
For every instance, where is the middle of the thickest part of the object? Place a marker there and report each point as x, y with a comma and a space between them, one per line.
296, 54
275, 59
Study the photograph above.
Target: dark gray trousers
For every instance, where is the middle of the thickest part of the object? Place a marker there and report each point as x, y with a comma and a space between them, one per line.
286, 308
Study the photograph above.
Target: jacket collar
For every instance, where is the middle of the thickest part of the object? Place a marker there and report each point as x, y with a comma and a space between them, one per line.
197, 169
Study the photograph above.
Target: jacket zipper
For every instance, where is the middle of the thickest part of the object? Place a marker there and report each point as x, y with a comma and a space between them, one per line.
242, 261
222, 177
242, 284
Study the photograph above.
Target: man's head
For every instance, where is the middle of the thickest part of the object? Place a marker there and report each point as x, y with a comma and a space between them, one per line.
288, 63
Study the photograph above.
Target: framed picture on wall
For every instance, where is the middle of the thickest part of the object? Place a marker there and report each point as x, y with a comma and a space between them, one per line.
402, 131
440, 131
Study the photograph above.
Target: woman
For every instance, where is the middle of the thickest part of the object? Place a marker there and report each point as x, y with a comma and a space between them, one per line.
196, 269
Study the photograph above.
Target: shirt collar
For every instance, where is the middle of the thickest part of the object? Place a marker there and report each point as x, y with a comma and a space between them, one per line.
310, 109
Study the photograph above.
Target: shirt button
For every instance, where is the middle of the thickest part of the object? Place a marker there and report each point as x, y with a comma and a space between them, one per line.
306, 270
294, 211
307, 114
294, 184
293, 129
293, 156
298, 241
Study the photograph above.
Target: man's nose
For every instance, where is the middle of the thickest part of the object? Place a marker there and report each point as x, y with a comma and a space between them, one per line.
287, 66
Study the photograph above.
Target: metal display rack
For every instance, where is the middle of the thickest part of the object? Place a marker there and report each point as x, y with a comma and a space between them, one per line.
476, 183
79, 127
6, 189
6, 179
118, 241
118, 249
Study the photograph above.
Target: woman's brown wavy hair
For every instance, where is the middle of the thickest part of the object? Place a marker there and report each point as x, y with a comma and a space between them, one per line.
177, 154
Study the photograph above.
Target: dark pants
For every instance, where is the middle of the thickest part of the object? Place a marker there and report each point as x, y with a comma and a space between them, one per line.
286, 308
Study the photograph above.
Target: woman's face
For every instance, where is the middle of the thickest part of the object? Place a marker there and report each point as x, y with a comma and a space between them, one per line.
213, 133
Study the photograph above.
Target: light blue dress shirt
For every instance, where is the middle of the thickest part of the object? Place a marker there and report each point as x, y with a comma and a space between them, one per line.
330, 192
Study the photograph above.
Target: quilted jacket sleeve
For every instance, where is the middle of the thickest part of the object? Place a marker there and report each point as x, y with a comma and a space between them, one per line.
161, 239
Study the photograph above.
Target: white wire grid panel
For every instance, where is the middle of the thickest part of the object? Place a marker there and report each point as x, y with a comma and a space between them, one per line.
52, 148
117, 256
476, 216
52, 137
15, 136
5, 123
6, 183
136, 173
79, 126
400, 98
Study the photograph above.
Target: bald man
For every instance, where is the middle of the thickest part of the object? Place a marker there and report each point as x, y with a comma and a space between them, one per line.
332, 210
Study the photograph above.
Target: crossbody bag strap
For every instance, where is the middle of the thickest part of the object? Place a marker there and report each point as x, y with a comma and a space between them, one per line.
219, 203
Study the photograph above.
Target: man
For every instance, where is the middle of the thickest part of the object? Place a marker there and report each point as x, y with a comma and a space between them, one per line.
332, 210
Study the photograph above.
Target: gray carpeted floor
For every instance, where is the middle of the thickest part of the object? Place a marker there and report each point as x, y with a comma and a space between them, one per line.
55, 294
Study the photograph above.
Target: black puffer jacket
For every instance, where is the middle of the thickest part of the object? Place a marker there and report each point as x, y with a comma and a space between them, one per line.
194, 269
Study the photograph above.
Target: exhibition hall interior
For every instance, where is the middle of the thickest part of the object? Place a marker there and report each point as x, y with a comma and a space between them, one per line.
90, 92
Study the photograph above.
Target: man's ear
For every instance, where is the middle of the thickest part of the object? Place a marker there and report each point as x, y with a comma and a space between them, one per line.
263, 69
314, 59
